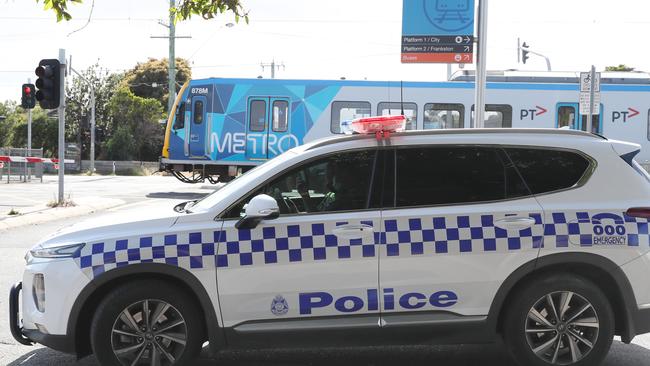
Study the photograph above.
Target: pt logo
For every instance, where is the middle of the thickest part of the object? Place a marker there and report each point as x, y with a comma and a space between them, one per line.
624, 115
279, 306
531, 113
609, 229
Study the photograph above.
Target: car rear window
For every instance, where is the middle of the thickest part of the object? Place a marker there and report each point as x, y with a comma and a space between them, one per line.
548, 170
454, 175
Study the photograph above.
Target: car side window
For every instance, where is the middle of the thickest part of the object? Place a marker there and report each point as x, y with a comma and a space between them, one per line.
445, 175
339, 182
547, 170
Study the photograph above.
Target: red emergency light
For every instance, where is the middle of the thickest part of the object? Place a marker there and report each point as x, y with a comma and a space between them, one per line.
381, 126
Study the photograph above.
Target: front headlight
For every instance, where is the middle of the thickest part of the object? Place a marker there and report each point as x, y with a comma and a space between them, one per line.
61, 251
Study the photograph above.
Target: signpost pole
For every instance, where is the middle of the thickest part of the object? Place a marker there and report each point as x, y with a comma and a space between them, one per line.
592, 89
480, 77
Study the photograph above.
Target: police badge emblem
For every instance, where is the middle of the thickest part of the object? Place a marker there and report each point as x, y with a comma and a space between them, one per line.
279, 305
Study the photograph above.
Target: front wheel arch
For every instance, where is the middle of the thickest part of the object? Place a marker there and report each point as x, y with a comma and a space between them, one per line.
600, 270
89, 298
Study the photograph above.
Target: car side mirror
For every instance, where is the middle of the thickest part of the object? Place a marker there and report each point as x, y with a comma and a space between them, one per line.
260, 207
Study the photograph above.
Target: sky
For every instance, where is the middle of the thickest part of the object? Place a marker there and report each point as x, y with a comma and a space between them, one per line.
355, 39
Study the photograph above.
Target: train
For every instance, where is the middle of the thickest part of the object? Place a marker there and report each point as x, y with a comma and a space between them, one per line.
221, 127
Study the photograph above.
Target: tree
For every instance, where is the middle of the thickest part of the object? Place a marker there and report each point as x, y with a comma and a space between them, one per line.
45, 132
149, 79
621, 67
138, 135
78, 106
207, 9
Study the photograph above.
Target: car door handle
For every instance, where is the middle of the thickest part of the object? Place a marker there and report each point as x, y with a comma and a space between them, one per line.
353, 231
515, 223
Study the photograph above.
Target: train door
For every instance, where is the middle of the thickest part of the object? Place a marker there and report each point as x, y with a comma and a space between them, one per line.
568, 115
198, 127
267, 131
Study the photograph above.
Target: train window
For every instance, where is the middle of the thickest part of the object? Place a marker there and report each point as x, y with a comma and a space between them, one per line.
347, 111
496, 116
180, 116
198, 112
440, 116
395, 108
566, 116
257, 115
280, 115
596, 126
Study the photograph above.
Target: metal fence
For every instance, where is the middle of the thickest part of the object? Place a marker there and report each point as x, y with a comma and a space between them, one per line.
20, 172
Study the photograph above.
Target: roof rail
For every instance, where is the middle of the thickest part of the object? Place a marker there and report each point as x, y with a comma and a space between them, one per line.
459, 131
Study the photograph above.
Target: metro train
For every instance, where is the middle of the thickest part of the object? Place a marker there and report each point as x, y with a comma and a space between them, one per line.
220, 127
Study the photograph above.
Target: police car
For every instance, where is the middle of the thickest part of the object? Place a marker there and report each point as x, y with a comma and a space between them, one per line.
536, 236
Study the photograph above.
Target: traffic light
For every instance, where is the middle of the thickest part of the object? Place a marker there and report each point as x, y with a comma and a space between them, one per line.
48, 83
28, 99
524, 52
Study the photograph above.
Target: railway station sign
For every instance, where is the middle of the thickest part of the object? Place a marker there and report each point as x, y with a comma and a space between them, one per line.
438, 31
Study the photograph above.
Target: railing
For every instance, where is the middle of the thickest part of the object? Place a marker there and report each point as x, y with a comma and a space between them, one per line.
20, 171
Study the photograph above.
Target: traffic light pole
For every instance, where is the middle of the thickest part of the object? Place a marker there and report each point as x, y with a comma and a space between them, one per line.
61, 112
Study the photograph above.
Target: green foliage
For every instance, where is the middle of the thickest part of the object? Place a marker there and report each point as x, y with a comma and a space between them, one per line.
135, 118
60, 7
150, 79
207, 9
121, 146
44, 132
621, 67
78, 104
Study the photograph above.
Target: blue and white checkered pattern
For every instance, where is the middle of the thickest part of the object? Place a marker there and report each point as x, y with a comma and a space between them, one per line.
457, 234
562, 229
314, 242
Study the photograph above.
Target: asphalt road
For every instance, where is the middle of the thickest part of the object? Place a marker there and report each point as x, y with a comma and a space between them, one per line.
163, 194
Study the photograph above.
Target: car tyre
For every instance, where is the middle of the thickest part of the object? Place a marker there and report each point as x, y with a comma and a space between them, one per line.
577, 329
172, 334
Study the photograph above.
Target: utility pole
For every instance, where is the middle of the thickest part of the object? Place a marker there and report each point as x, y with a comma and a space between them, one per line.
61, 112
480, 78
172, 56
172, 60
273, 66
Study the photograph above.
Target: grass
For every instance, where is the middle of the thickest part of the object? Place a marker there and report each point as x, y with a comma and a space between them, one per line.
13, 212
67, 202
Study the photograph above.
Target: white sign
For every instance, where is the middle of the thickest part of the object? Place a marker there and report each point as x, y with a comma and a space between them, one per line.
586, 82
584, 103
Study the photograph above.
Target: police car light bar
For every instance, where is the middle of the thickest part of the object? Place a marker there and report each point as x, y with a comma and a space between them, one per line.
381, 126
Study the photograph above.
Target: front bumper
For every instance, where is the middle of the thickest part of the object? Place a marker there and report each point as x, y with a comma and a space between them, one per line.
30, 336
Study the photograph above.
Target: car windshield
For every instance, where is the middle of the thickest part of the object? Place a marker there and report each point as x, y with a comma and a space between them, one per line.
207, 202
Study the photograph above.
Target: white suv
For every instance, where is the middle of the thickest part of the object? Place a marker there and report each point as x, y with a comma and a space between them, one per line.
537, 236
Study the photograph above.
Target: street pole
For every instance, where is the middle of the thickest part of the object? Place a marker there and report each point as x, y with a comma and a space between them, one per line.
61, 112
29, 136
172, 60
480, 77
591, 97
92, 131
